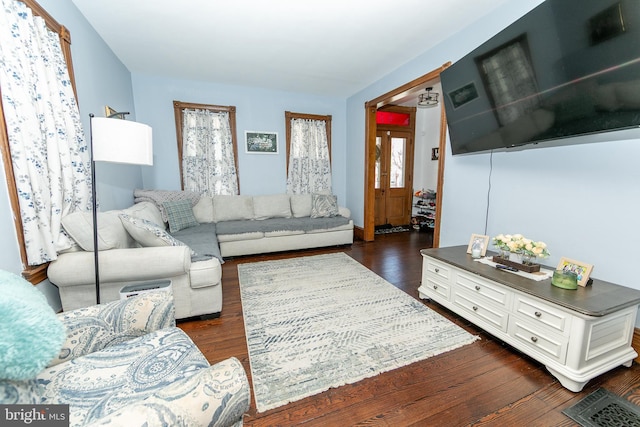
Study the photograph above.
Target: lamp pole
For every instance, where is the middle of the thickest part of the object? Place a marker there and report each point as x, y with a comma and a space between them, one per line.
95, 212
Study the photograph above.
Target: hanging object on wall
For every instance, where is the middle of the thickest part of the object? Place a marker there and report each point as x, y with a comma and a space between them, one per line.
110, 113
428, 99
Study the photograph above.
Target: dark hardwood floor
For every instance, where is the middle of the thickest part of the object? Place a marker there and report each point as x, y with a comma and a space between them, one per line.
486, 383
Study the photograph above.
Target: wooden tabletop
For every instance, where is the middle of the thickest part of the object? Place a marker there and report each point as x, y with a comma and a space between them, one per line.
598, 299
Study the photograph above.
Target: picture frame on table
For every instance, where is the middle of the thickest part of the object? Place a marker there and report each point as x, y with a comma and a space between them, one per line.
581, 269
480, 238
261, 142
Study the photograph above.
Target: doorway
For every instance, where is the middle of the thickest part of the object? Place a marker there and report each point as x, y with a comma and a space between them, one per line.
371, 135
395, 136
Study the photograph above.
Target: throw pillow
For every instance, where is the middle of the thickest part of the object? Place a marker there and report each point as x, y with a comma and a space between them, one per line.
147, 233
272, 206
301, 205
232, 208
111, 234
31, 335
180, 215
324, 206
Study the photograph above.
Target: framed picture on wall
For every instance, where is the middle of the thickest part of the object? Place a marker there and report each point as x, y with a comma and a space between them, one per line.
261, 142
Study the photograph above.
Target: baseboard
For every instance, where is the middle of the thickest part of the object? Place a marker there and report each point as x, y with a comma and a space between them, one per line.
358, 233
635, 343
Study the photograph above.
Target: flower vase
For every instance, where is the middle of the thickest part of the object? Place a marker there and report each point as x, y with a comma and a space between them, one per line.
528, 259
504, 253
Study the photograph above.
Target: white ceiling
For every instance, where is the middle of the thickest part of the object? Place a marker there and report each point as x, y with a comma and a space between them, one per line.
329, 47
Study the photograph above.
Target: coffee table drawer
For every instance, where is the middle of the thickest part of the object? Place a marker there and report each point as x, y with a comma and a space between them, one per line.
543, 314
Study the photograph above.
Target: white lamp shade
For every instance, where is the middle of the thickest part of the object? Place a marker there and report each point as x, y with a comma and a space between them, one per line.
121, 141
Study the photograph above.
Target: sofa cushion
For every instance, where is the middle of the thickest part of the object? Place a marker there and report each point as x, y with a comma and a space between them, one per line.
300, 205
255, 235
324, 206
203, 210
230, 208
111, 233
147, 233
272, 206
244, 228
280, 233
180, 215
202, 240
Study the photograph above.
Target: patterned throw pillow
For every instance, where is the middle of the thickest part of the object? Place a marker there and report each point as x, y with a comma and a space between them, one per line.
324, 206
147, 233
180, 215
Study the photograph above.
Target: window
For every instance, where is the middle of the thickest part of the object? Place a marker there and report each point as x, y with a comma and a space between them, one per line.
308, 153
41, 218
207, 148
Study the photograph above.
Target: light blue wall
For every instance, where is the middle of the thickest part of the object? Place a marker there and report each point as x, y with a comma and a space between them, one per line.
580, 199
256, 110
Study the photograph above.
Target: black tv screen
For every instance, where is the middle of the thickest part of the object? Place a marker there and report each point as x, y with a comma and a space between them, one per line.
566, 68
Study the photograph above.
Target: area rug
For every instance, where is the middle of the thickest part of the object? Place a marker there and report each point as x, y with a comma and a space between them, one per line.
317, 322
604, 409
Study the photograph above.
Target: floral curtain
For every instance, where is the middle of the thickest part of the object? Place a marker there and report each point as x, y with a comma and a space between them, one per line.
208, 163
309, 163
49, 153
511, 81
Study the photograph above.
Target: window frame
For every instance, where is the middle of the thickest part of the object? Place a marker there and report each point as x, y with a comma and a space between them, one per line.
289, 116
178, 106
33, 273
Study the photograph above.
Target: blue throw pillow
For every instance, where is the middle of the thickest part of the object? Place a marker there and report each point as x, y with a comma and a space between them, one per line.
31, 334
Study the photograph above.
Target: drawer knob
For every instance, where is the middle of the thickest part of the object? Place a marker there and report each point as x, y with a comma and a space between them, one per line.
435, 286
475, 308
477, 287
437, 270
534, 339
538, 314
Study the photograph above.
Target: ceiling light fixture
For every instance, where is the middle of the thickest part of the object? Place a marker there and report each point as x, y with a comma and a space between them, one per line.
428, 99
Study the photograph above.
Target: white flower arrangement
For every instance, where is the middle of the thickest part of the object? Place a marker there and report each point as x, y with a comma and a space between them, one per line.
518, 244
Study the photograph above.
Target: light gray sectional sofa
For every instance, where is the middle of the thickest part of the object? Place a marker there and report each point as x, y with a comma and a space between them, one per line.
185, 239
248, 225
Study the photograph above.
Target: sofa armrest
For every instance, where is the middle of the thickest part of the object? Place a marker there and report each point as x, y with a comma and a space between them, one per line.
120, 265
93, 328
216, 396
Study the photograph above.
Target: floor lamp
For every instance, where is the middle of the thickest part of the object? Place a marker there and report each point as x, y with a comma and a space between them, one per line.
115, 141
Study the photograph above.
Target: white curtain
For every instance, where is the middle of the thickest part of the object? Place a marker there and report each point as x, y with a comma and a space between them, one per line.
49, 153
208, 164
309, 163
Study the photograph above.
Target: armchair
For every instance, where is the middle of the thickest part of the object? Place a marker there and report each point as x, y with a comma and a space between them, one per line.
123, 363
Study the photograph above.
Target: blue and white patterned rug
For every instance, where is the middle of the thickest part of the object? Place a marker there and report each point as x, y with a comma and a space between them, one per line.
317, 322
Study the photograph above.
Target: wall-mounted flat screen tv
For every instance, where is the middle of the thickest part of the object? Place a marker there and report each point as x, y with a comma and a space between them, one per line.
566, 68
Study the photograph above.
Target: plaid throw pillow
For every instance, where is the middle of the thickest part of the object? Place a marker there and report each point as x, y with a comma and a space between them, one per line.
180, 215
